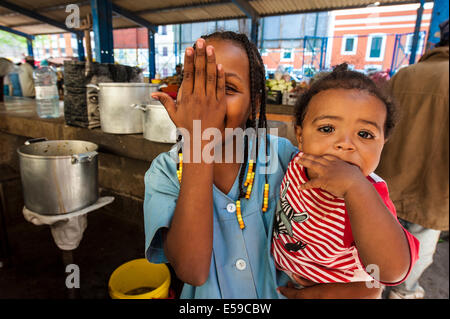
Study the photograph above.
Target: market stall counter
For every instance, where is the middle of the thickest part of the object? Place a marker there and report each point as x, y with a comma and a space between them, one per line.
123, 158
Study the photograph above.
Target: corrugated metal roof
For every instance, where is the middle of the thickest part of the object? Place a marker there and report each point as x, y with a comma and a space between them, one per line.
160, 12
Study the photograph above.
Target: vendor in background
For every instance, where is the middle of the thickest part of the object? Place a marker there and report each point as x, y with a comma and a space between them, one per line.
60, 83
26, 77
12, 80
5, 67
179, 72
415, 161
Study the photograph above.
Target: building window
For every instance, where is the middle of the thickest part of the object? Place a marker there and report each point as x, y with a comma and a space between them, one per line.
376, 44
287, 55
163, 30
349, 45
164, 51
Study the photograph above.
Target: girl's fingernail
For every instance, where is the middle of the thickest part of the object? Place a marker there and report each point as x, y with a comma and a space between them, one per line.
209, 50
219, 67
200, 44
188, 52
300, 154
156, 97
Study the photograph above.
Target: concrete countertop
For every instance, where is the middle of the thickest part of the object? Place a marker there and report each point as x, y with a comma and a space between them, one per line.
18, 117
280, 109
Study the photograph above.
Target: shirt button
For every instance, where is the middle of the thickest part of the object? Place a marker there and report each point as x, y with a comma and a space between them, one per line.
241, 264
231, 208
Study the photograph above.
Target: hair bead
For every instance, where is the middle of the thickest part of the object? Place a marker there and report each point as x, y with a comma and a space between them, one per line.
239, 215
266, 198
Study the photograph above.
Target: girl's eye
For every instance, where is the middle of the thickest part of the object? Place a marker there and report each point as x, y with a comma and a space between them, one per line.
230, 88
365, 135
326, 129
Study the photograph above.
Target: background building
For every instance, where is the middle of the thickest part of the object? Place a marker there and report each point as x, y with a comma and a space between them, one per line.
370, 38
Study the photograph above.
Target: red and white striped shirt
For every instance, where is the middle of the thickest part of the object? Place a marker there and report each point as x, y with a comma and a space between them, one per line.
312, 233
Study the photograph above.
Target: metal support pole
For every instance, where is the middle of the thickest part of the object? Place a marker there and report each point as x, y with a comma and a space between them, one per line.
151, 54
30, 47
254, 31
103, 31
180, 46
412, 57
261, 42
394, 55
80, 45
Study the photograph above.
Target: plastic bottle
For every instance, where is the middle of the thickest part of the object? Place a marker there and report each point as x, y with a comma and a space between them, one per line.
47, 98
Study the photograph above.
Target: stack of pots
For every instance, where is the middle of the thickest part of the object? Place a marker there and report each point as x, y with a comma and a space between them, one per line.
127, 108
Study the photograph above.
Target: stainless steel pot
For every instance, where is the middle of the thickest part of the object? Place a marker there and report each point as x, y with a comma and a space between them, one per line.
58, 177
114, 99
158, 127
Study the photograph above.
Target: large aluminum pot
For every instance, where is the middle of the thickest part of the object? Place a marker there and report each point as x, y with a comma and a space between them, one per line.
158, 127
114, 100
59, 177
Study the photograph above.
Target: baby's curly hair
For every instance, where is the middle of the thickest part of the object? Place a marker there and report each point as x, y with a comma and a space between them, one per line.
342, 78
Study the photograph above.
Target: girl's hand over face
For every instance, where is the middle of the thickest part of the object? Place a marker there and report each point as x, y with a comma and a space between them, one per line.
202, 95
331, 174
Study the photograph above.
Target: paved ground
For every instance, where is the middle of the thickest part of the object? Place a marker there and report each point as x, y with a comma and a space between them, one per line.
435, 279
37, 269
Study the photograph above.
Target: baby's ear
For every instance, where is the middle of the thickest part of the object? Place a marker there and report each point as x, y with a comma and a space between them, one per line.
298, 136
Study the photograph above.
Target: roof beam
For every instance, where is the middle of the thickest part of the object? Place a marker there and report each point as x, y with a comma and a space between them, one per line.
133, 17
245, 7
22, 34
185, 7
35, 15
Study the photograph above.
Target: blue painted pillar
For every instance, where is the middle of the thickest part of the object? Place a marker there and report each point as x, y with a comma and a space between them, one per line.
151, 54
415, 41
30, 46
254, 31
103, 31
80, 45
440, 14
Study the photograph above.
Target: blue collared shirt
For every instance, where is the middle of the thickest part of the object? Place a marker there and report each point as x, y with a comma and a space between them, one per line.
241, 263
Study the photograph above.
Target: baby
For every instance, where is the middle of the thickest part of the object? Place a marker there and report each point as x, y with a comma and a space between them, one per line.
332, 207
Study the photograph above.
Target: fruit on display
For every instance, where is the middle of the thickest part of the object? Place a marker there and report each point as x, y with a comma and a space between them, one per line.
279, 85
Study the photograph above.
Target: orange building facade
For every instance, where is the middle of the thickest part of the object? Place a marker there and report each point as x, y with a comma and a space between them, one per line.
366, 38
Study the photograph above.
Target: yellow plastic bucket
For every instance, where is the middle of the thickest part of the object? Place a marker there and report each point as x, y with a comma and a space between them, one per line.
139, 279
